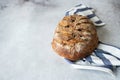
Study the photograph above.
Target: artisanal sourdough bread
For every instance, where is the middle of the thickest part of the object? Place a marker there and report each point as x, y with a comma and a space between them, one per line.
75, 37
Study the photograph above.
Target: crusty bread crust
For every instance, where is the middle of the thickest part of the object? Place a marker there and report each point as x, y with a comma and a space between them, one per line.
75, 37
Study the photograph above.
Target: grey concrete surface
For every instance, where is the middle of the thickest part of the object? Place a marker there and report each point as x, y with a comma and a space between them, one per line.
26, 32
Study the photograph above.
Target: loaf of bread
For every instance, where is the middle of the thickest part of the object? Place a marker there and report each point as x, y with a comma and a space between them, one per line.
75, 37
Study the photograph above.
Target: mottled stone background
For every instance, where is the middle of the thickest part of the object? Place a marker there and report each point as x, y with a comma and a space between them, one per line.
26, 31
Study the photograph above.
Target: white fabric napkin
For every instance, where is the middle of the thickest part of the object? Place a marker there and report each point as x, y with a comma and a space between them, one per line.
105, 57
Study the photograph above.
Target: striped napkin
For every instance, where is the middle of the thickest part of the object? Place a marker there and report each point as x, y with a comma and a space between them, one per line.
105, 57
85, 11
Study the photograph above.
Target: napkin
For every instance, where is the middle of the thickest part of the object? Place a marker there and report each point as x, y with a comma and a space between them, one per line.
105, 57
85, 11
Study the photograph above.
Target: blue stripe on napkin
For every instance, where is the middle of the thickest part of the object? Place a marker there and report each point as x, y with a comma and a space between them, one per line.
91, 16
99, 53
89, 59
80, 10
98, 22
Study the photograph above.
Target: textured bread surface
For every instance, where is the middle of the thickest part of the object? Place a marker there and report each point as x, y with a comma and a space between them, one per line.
75, 37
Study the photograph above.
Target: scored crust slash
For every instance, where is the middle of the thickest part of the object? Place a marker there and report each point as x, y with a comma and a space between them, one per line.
75, 37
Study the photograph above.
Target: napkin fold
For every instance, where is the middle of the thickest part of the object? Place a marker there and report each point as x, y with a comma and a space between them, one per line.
105, 57
85, 11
